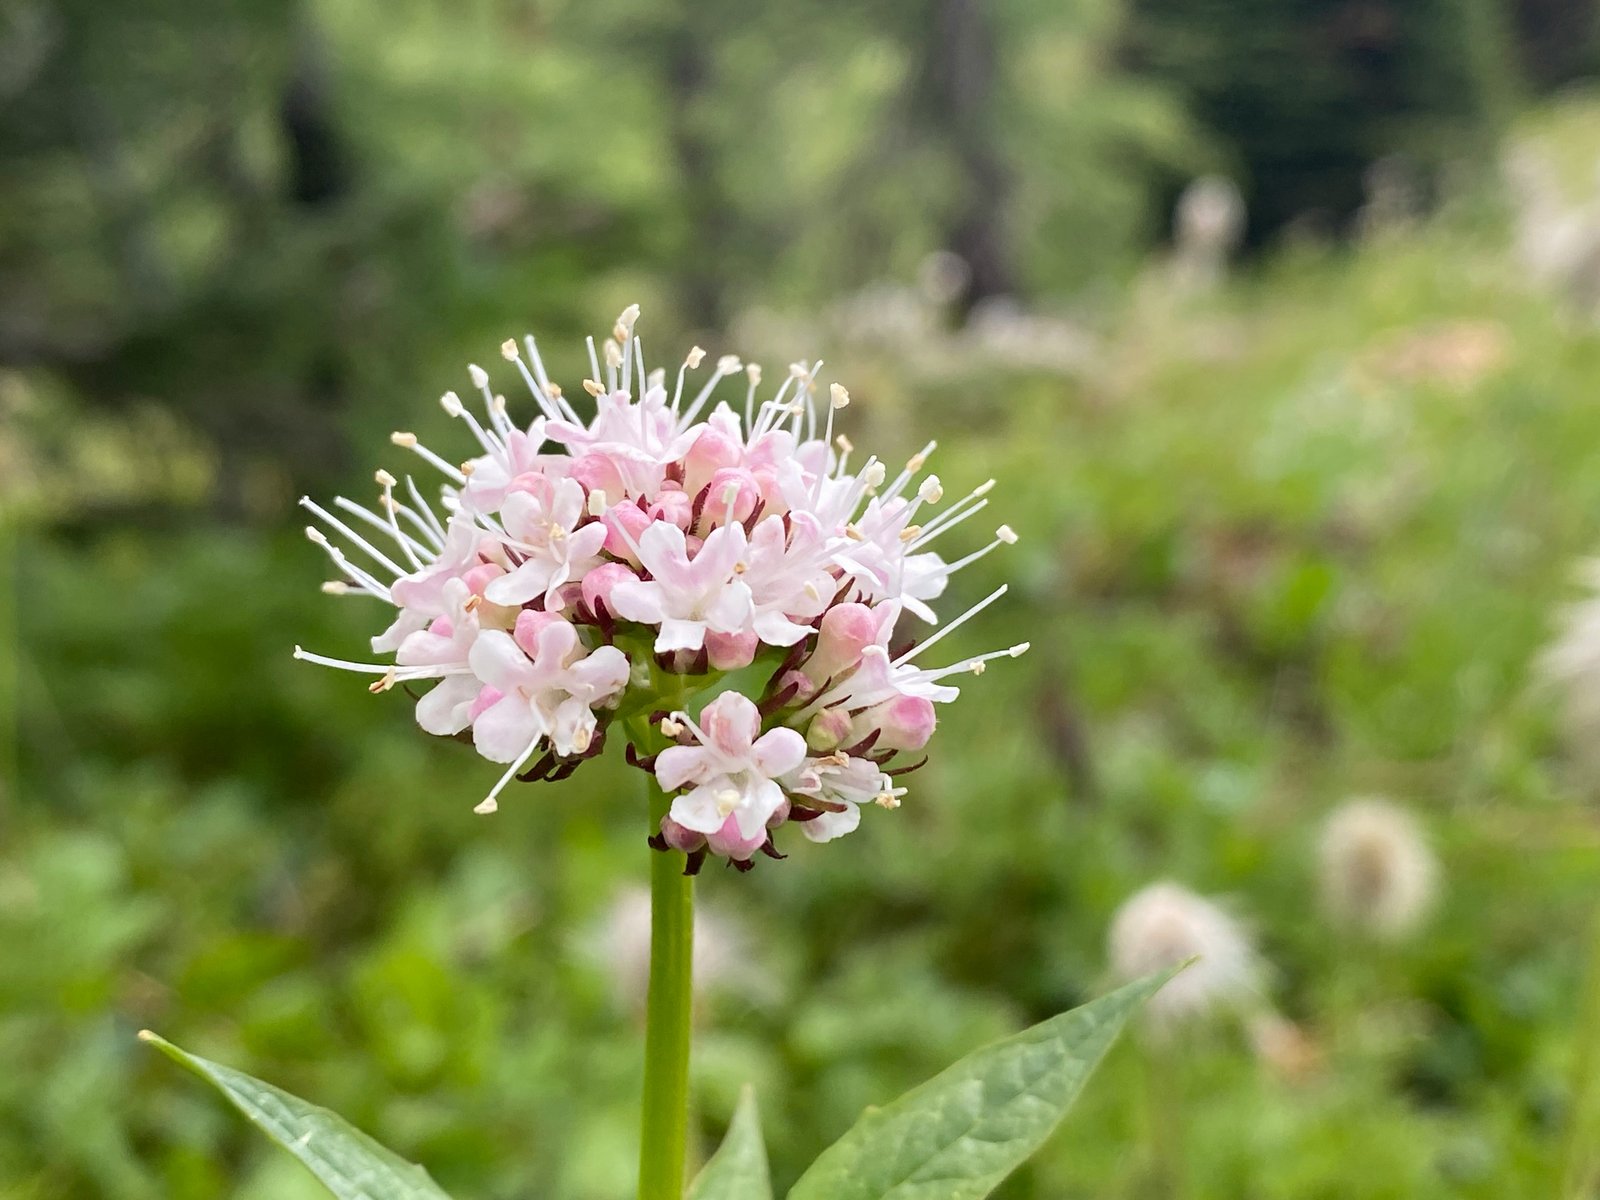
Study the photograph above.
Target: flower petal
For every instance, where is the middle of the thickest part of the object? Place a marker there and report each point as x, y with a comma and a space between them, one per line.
504, 730
698, 810
778, 752
499, 661
444, 710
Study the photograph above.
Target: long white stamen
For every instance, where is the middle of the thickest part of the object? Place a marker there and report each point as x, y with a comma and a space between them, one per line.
931, 674
364, 580
548, 395
694, 358
771, 409
408, 544
1000, 539
545, 395
399, 672
753, 373
727, 365
451, 403
492, 404
423, 512
912, 467
306, 502
489, 804
952, 626
973, 502
408, 441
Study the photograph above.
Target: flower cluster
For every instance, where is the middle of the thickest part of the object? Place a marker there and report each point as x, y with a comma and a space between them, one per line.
581, 574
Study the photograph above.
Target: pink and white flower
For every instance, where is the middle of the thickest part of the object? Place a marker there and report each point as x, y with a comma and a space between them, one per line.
597, 566
539, 686
688, 594
542, 529
731, 772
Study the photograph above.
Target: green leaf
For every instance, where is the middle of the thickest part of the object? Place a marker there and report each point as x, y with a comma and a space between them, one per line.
958, 1135
349, 1164
738, 1170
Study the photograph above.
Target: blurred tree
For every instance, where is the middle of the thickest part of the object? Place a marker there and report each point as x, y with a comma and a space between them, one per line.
148, 222
1306, 93
956, 100
1558, 40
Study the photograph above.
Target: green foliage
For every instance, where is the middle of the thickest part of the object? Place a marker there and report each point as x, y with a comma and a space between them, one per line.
1278, 546
350, 1164
958, 1135
1270, 556
738, 1170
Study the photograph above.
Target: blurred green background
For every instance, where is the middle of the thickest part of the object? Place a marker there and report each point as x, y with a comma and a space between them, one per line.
1300, 487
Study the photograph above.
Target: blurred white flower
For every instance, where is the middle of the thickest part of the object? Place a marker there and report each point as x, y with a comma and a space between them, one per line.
1378, 874
1207, 227
1571, 664
1165, 925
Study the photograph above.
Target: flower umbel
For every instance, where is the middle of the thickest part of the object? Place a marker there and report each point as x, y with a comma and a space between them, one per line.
579, 574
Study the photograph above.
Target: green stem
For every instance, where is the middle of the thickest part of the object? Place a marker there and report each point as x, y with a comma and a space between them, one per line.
665, 1126
1164, 1114
1578, 1162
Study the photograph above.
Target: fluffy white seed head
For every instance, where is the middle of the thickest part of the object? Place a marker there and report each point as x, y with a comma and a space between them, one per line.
1570, 665
1378, 874
1165, 925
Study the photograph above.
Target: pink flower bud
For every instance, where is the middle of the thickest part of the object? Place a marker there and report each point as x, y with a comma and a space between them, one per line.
904, 723
679, 838
828, 730
598, 472
480, 576
535, 483
711, 451
597, 585
674, 505
803, 687
730, 490
440, 627
730, 651
567, 595
627, 519
770, 485
846, 630
528, 627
